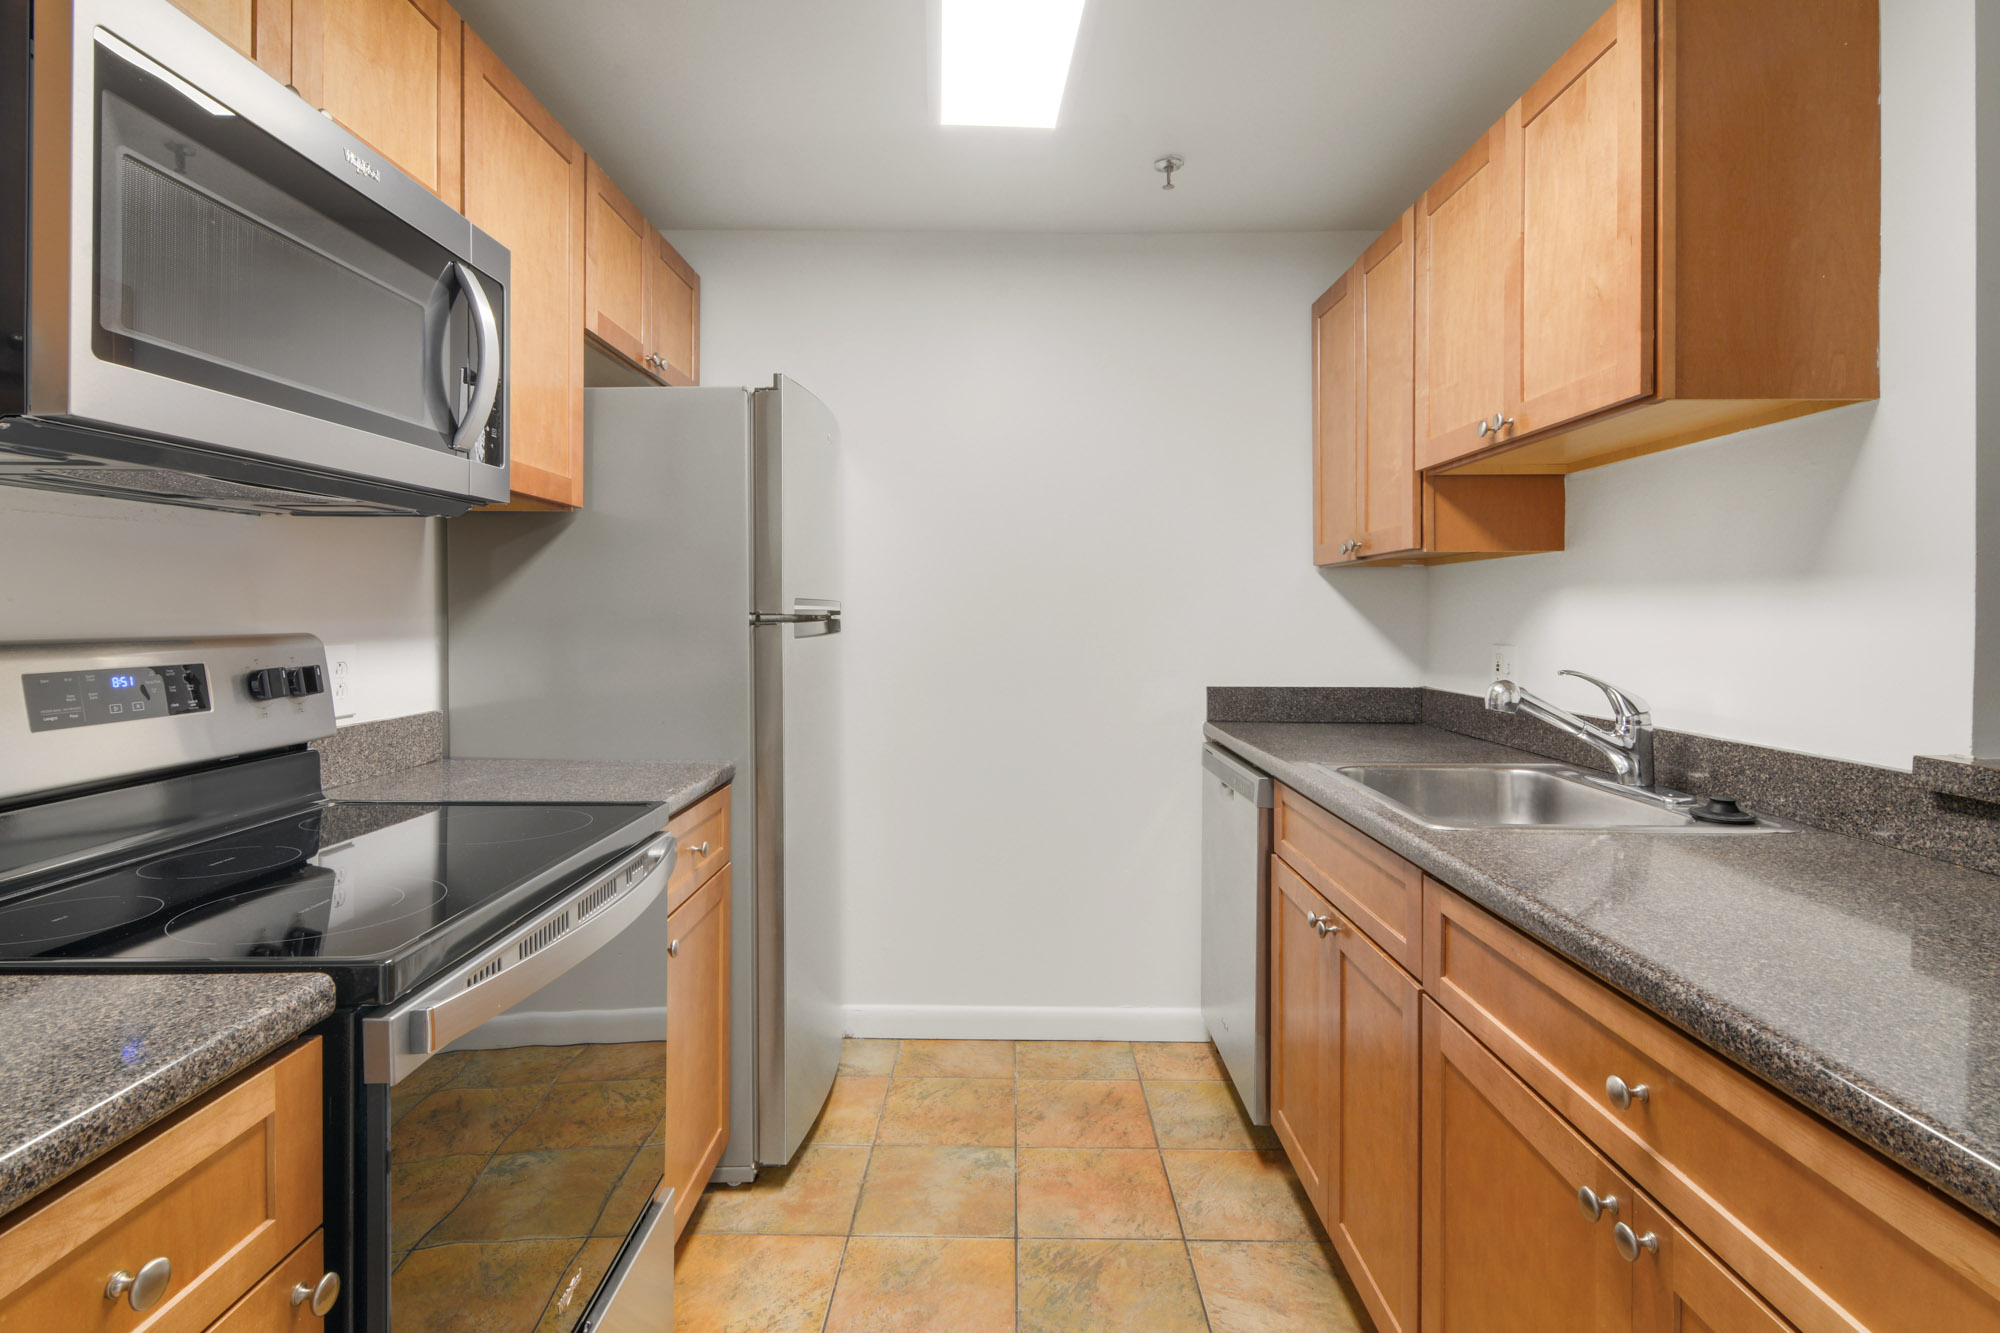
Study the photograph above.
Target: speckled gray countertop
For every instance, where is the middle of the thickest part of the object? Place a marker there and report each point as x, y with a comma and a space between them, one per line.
1862, 980
678, 785
88, 1061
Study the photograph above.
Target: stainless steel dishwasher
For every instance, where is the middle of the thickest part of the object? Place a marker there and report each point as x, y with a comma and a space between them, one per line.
1235, 921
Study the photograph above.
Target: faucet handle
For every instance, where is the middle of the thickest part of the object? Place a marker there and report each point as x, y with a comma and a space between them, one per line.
1627, 710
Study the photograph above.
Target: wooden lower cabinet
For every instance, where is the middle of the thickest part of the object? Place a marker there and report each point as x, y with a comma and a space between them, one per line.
1302, 1034
270, 1307
697, 1124
223, 1190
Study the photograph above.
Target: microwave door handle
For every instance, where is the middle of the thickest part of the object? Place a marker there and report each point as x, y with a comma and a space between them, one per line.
486, 383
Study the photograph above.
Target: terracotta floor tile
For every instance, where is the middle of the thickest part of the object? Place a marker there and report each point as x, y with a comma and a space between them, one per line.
461, 1120
1099, 1193
592, 1115
659, 1134
535, 1195
1239, 1196
852, 1110
479, 1288
513, 1066
953, 1112
814, 1196
937, 1192
1254, 1287
1180, 1060
422, 1192
579, 1284
1109, 1286
868, 1057
1074, 1059
616, 1062
955, 1059
422, 1081
1082, 1114
924, 1285
635, 1190
754, 1284
1203, 1115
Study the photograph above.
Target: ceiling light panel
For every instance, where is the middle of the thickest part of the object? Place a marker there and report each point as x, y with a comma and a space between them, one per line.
1005, 62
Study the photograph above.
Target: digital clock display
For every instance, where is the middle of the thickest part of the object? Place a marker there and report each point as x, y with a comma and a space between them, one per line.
85, 697
124, 682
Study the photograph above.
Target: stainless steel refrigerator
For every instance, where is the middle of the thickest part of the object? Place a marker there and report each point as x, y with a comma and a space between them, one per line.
691, 610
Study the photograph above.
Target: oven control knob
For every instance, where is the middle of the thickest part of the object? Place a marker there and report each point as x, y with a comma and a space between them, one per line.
315, 679
268, 683
295, 681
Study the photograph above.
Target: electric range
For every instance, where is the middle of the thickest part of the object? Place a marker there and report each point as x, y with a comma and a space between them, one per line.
190, 833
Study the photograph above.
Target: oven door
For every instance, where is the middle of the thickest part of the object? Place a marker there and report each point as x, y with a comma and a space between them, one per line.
219, 265
507, 1177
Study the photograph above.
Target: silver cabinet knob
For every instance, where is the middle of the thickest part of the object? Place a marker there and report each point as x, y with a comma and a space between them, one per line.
1595, 1205
1622, 1094
1501, 423
1629, 1243
145, 1290
673, 948
1484, 427
1325, 925
699, 851
322, 1294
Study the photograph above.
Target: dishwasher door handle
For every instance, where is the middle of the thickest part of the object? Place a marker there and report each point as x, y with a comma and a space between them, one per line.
1237, 776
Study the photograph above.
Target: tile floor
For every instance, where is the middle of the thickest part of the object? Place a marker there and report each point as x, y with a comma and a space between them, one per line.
515, 1174
1033, 1186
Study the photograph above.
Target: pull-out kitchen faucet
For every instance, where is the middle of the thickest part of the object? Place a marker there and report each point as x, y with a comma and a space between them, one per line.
1628, 745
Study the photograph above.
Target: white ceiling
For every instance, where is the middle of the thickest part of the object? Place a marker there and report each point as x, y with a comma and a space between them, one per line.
1292, 114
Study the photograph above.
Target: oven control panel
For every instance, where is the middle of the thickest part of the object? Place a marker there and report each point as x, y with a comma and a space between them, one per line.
92, 696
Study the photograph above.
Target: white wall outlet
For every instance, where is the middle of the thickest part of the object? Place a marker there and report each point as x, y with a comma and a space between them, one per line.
1503, 661
340, 678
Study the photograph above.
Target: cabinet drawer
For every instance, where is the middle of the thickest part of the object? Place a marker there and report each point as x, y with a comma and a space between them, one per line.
703, 834
269, 1308
1832, 1235
1372, 886
224, 1189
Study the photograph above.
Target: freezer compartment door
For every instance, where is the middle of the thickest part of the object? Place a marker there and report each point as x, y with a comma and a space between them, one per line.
1235, 919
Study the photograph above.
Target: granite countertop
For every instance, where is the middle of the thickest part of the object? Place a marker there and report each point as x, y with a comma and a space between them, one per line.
1862, 980
88, 1061
676, 785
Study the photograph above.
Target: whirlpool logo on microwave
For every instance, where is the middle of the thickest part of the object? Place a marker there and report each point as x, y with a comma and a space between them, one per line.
361, 165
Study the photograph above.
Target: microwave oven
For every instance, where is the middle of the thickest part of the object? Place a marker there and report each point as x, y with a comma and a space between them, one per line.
213, 295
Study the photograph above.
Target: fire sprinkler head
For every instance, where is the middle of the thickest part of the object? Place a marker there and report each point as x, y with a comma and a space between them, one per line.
1168, 165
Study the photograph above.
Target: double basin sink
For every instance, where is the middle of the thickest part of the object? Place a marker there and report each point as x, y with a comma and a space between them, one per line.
1525, 796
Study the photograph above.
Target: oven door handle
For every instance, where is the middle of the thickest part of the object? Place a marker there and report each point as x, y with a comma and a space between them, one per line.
396, 1040
486, 380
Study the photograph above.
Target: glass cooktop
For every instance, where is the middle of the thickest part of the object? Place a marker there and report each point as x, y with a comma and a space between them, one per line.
375, 895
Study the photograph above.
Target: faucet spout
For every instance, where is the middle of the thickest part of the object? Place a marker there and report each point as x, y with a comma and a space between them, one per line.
1628, 746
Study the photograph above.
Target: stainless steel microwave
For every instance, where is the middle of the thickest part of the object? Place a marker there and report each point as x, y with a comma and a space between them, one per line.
212, 295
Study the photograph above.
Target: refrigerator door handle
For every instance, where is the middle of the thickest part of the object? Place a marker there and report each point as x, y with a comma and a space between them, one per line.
811, 615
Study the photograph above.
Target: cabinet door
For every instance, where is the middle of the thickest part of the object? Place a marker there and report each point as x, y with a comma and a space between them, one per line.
1303, 1030
1468, 229
1372, 1197
524, 185
697, 1123
1506, 1248
389, 71
673, 308
1336, 413
260, 29
1586, 283
1389, 492
1679, 1287
615, 239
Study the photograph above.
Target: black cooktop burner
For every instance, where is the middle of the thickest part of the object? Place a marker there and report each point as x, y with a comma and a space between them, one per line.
377, 896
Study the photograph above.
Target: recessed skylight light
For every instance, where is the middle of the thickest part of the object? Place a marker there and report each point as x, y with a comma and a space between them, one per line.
1004, 62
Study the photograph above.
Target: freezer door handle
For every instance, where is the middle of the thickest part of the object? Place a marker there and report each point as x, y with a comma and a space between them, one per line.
811, 615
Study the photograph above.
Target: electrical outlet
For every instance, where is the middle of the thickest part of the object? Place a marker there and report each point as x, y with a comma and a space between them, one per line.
1503, 661
340, 677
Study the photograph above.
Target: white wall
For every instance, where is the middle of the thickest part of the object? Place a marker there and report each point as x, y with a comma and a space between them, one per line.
78, 567
1076, 496
1808, 585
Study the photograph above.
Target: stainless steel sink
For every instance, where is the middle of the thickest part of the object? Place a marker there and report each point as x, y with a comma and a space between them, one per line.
1526, 796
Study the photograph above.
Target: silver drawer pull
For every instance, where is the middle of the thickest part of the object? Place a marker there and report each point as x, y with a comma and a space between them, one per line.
701, 850
145, 1290
1622, 1094
673, 948
322, 1295
1595, 1205
1629, 1243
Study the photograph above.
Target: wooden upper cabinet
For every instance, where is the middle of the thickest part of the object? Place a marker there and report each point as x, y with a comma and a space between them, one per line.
673, 315
1336, 361
1468, 229
1389, 496
615, 242
524, 185
260, 29
388, 70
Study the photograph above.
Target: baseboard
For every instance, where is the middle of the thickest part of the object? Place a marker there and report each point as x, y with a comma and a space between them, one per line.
578, 1027
1025, 1022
